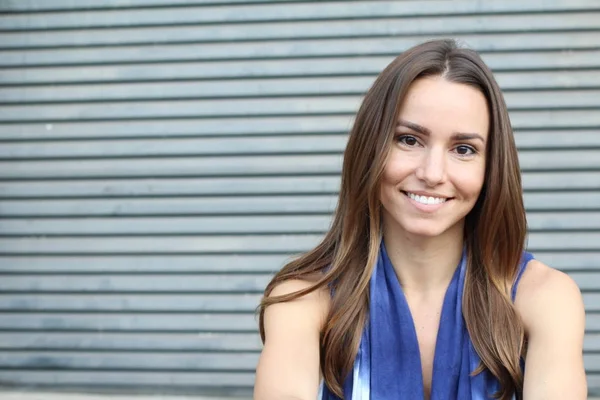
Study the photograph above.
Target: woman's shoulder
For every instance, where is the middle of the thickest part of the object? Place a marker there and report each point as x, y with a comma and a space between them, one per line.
551, 307
289, 362
311, 308
546, 296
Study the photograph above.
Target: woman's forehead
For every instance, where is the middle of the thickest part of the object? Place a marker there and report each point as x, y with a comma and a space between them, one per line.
438, 106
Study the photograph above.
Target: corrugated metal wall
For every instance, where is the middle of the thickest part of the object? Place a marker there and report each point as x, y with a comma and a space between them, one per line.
159, 159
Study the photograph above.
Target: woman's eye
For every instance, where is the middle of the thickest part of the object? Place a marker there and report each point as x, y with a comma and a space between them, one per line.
408, 140
465, 150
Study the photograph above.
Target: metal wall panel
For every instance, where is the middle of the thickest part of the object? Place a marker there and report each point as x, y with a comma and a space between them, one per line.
159, 159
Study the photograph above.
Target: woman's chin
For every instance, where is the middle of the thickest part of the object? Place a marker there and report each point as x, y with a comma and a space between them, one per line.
430, 230
425, 233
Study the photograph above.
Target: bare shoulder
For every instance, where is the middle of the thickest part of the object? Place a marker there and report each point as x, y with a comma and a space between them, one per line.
295, 285
552, 310
313, 306
546, 296
289, 364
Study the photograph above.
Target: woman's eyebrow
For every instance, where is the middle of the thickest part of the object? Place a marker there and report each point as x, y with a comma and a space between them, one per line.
467, 136
424, 131
414, 127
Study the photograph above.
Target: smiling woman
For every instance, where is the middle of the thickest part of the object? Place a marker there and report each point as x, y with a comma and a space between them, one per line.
438, 169
412, 293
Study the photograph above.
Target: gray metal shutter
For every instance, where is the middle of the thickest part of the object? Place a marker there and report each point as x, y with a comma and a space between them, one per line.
159, 159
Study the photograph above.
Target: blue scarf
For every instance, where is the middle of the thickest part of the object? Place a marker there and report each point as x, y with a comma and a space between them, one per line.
388, 363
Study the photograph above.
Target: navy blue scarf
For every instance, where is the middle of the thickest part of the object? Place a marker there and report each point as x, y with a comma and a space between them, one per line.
388, 363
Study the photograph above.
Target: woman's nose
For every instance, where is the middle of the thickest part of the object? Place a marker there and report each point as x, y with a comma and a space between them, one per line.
432, 169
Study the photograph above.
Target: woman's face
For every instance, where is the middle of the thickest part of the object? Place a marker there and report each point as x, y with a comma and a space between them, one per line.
436, 166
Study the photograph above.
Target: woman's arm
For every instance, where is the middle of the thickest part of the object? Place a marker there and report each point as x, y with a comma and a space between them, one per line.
288, 367
552, 309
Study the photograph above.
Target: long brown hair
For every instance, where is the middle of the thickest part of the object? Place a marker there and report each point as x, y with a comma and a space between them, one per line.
494, 230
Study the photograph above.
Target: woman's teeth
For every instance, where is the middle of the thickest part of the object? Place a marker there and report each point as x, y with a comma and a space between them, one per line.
425, 199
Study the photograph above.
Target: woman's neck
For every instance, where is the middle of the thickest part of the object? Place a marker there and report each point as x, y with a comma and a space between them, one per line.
424, 264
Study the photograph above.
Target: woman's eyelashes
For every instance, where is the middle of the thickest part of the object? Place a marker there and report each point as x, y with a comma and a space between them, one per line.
407, 140
462, 150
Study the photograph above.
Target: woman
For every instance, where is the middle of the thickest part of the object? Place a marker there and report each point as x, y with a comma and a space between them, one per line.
412, 293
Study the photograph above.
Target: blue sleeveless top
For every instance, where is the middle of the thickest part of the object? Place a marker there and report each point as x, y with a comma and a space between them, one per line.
388, 363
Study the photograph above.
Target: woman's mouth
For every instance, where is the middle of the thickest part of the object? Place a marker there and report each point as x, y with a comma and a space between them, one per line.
426, 200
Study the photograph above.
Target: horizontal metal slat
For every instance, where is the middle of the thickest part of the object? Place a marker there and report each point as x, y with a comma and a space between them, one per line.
215, 88
181, 109
131, 341
239, 361
503, 42
559, 139
140, 264
252, 145
157, 302
158, 322
265, 224
331, 85
206, 186
181, 206
569, 260
149, 361
285, 244
236, 205
186, 166
225, 263
127, 379
563, 221
154, 322
587, 280
592, 340
535, 100
192, 127
280, 125
176, 187
182, 166
132, 380
144, 303
432, 25
212, 283
327, 65
248, 165
592, 321
145, 341
563, 241
557, 180
176, 147
203, 225
226, 69
558, 160
198, 284
591, 302
277, 12
200, 244
177, 303
549, 99
34, 6
593, 382
592, 362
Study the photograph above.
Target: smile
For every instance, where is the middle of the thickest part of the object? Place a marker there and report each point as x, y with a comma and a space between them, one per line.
426, 200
